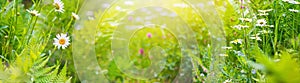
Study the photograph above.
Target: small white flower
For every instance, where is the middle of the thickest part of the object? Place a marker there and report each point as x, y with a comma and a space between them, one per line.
256, 37
119, 8
293, 10
128, 3
227, 81
227, 48
202, 75
59, 6
75, 16
265, 32
276, 60
261, 22
239, 53
245, 19
263, 14
285, 0
291, 1
239, 27
270, 25
237, 41
33, 12
223, 54
61, 40
265, 11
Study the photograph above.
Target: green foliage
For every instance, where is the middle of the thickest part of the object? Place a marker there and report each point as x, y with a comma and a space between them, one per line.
278, 70
26, 69
27, 53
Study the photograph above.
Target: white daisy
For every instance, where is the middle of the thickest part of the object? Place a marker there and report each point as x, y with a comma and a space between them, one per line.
227, 81
239, 27
263, 14
223, 54
227, 48
61, 40
285, 0
128, 3
245, 19
237, 41
256, 37
270, 25
293, 10
291, 1
75, 16
33, 12
59, 6
261, 22
265, 32
265, 11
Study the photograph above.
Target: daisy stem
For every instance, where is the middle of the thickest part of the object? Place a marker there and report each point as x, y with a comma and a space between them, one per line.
69, 25
77, 6
276, 34
61, 54
294, 36
49, 13
32, 28
30, 35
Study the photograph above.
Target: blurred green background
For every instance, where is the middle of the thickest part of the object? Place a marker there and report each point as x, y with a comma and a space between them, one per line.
261, 54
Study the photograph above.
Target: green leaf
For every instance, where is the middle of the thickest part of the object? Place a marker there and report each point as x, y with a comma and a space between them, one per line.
3, 27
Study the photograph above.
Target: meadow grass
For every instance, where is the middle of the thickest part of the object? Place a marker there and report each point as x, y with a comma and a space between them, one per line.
262, 41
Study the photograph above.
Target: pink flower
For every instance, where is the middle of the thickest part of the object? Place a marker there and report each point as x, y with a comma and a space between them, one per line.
149, 35
130, 18
141, 51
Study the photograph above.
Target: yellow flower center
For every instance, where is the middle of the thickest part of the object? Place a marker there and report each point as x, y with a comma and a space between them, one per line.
62, 41
57, 6
261, 23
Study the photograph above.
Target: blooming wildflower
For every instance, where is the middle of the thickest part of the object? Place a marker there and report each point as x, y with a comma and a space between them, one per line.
128, 3
291, 1
253, 71
285, 0
5, 36
61, 40
270, 25
245, 19
263, 14
237, 41
256, 37
261, 22
141, 51
59, 6
239, 27
202, 75
239, 53
33, 12
227, 48
223, 54
293, 10
227, 81
276, 60
75, 16
149, 35
243, 71
265, 32
265, 11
